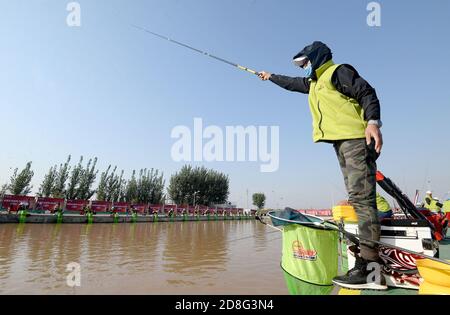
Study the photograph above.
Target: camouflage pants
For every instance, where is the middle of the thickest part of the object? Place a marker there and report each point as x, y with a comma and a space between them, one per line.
358, 165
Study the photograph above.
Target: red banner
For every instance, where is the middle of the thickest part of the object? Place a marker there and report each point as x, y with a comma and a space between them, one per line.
205, 210
155, 209
179, 210
140, 208
49, 204
13, 203
191, 209
76, 205
170, 208
121, 207
202, 209
224, 211
101, 206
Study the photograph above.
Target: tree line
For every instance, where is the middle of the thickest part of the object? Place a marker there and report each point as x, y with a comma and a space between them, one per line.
191, 185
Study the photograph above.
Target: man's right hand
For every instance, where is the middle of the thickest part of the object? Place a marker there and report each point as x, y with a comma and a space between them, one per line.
373, 131
264, 75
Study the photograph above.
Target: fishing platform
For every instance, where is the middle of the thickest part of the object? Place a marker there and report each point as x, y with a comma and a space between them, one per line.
29, 209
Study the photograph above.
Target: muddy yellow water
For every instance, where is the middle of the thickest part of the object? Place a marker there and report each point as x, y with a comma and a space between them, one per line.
223, 257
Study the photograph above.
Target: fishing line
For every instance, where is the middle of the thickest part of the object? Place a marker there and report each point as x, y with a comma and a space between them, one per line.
247, 237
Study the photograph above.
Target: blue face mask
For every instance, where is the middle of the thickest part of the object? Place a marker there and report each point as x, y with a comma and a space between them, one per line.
308, 70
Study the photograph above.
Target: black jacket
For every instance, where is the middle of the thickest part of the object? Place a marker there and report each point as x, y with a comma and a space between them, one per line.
346, 80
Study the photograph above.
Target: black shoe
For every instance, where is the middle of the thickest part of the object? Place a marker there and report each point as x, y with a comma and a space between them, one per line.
360, 278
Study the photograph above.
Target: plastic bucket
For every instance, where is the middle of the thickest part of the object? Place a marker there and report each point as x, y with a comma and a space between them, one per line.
310, 254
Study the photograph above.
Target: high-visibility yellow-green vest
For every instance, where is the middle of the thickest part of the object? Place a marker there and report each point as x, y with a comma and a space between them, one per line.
382, 204
446, 206
432, 206
335, 116
425, 203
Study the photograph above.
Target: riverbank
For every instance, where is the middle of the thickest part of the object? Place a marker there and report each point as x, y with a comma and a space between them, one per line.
54, 218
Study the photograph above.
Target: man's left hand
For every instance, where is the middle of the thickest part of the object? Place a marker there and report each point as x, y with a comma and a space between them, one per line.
372, 131
263, 75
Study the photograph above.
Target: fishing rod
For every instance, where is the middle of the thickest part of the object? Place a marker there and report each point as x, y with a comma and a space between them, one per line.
197, 50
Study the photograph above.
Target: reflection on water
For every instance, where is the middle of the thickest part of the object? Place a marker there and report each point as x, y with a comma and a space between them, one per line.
223, 257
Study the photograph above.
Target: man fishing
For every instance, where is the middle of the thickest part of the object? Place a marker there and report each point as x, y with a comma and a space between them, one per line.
346, 113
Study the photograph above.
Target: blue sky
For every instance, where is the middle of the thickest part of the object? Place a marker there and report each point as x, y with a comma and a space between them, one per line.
107, 90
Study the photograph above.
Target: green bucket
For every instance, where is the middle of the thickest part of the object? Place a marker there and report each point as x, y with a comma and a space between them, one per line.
310, 254
299, 287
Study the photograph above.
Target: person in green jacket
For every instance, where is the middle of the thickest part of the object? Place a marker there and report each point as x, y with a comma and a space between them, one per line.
384, 209
431, 203
345, 112
427, 199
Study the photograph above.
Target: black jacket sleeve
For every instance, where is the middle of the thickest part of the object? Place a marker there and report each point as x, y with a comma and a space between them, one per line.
297, 84
347, 81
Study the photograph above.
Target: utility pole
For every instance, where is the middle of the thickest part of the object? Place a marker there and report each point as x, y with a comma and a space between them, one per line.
194, 196
275, 200
247, 198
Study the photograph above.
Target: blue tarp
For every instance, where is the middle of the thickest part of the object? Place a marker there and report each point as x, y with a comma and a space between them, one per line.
290, 215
